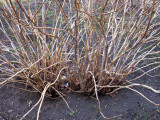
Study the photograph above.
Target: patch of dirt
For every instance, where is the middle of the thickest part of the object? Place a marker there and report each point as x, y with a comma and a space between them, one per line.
15, 103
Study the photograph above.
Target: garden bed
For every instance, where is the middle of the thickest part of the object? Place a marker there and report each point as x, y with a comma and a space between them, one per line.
15, 103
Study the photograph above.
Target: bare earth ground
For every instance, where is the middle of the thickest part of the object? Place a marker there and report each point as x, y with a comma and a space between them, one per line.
15, 103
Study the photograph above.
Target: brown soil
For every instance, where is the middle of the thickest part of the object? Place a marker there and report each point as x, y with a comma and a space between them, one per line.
15, 103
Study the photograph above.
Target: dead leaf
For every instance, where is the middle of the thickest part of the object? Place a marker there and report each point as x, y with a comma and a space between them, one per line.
113, 94
10, 110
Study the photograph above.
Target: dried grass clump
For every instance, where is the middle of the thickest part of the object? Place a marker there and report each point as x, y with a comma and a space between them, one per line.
86, 46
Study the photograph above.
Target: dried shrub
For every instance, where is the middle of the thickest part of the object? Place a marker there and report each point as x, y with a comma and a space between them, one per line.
85, 46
